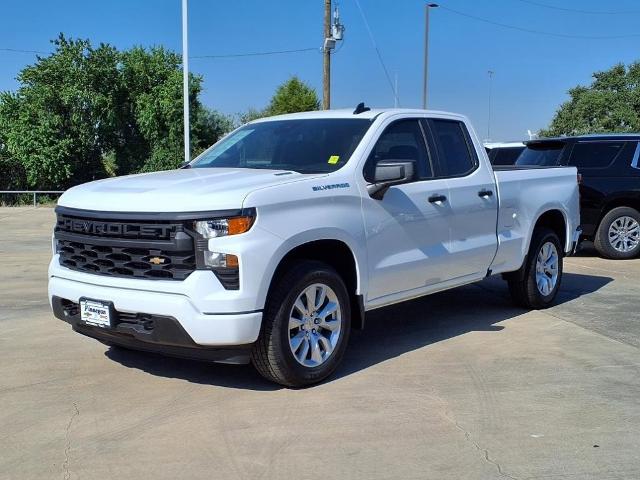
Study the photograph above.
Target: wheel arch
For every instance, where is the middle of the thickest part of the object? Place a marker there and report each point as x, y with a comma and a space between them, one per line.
554, 219
334, 252
622, 201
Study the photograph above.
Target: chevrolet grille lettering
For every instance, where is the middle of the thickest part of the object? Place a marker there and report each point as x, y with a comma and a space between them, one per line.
94, 227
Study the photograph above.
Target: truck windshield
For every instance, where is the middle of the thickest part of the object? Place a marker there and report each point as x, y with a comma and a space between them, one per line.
305, 145
543, 154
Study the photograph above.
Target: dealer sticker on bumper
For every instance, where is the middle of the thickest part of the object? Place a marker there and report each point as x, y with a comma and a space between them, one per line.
95, 313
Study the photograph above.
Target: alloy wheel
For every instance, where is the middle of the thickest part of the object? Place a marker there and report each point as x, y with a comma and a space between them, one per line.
547, 268
624, 234
315, 324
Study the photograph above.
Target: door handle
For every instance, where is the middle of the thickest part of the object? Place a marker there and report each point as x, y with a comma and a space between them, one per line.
437, 198
485, 193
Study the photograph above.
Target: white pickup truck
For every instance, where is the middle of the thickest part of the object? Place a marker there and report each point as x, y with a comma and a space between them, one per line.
274, 243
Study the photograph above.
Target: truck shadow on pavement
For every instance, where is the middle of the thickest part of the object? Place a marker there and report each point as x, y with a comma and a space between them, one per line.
389, 332
393, 331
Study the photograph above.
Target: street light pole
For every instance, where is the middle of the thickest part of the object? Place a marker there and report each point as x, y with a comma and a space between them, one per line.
490, 72
185, 79
427, 7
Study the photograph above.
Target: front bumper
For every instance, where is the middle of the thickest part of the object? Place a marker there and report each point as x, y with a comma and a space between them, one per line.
203, 328
150, 333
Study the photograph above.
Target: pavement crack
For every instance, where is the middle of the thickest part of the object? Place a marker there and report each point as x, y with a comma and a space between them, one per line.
65, 465
447, 414
487, 457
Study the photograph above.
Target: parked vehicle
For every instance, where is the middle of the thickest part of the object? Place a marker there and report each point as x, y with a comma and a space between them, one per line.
609, 190
504, 153
273, 244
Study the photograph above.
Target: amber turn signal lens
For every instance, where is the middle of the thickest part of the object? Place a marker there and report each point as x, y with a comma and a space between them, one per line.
232, 261
239, 224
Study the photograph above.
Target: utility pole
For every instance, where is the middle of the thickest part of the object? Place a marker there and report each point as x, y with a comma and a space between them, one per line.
490, 72
427, 7
185, 79
326, 60
333, 33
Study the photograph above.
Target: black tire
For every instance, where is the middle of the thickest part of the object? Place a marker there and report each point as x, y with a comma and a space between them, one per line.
271, 354
602, 241
525, 292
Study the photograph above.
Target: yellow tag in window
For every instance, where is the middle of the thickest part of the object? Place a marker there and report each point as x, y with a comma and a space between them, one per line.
333, 159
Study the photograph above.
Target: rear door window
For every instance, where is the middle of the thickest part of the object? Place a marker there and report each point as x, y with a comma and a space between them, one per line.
456, 158
595, 154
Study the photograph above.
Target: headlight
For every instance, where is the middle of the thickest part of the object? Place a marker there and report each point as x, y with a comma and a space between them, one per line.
225, 266
222, 227
220, 260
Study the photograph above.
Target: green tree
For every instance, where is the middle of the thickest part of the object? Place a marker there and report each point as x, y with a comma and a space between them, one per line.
12, 173
290, 97
54, 124
251, 114
84, 113
293, 96
610, 104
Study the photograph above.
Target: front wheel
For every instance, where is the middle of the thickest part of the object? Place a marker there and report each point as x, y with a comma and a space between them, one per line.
306, 326
543, 272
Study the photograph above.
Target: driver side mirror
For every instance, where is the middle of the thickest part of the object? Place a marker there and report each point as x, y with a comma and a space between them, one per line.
389, 173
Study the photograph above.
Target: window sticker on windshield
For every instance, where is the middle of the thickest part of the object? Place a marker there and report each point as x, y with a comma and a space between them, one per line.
333, 159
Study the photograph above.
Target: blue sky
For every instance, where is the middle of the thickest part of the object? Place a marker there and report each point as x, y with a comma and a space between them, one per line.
532, 72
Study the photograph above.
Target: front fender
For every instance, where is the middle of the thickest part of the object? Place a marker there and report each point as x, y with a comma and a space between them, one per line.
309, 236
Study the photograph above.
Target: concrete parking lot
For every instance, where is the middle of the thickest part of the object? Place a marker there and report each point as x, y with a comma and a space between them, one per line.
459, 385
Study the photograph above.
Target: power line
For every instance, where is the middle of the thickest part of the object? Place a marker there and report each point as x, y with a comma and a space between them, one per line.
375, 46
230, 55
540, 32
16, 50
574, 10
256, 54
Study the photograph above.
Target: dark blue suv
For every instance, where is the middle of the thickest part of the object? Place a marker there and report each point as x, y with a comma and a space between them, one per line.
610, 185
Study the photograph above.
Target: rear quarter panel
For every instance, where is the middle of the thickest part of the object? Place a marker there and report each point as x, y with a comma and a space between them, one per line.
525, 195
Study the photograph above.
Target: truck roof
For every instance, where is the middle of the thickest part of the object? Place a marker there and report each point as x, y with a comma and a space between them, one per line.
349, 113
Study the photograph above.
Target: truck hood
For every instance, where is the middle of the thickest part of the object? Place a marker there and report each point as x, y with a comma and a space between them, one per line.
186, 190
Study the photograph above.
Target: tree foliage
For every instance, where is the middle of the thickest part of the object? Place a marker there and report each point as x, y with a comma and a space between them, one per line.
290, 97
293, 96
12, 173
86, 112
610, 104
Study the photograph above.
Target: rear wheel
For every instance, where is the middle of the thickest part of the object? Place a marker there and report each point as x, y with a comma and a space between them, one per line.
306, 326
542, 272
618, 235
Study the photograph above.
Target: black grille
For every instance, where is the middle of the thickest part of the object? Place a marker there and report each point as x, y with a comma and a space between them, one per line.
126, 262
151, 250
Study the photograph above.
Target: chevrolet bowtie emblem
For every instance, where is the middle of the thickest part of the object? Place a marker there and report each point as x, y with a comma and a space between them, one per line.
156, 260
